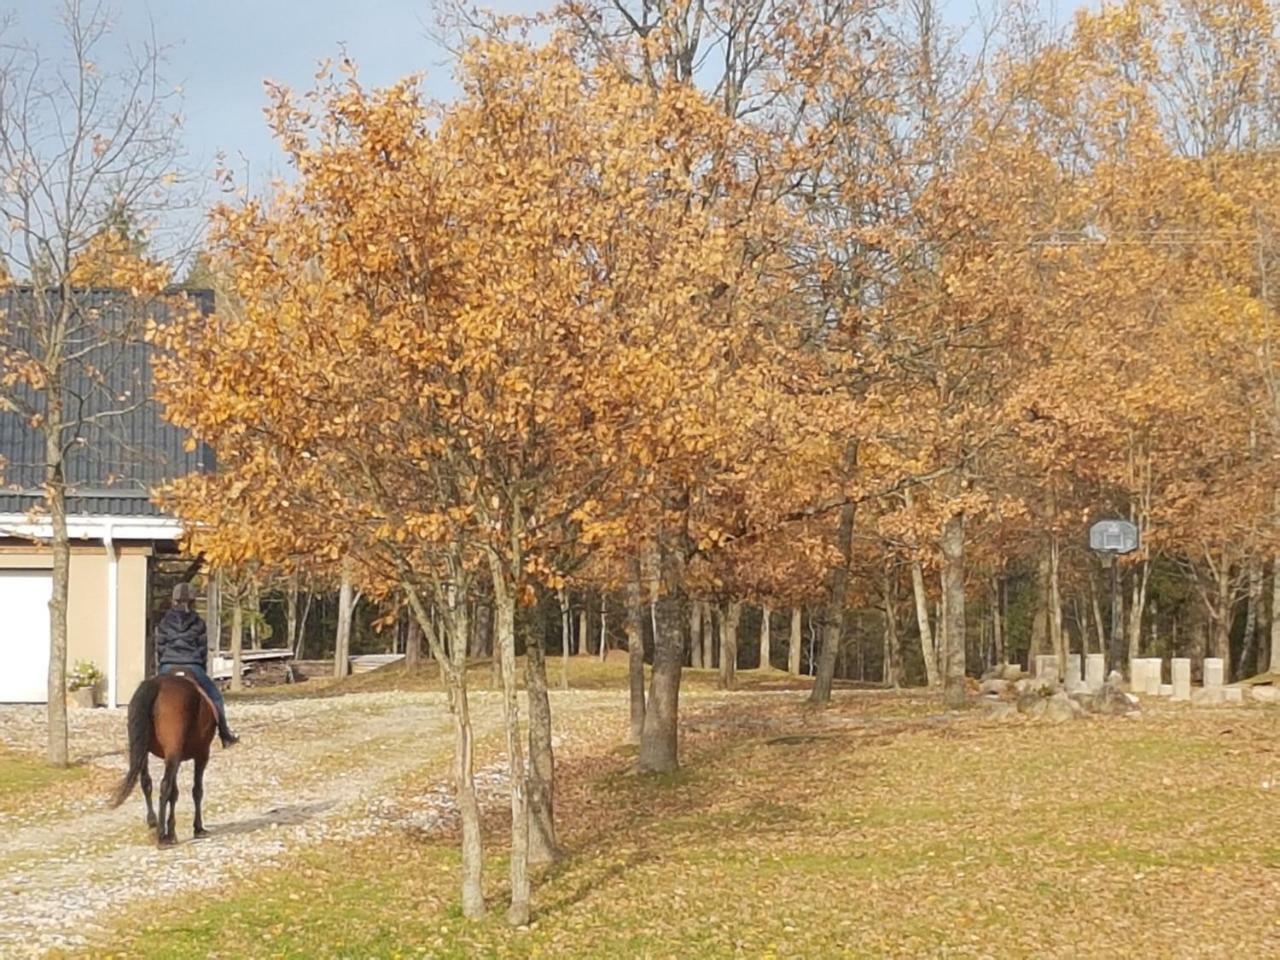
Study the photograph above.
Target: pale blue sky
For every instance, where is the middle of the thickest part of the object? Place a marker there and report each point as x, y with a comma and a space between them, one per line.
222, 50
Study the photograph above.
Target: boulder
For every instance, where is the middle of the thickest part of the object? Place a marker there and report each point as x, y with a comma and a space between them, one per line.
994, 685
1032, 704
1001, 710
1058, 708
1010, 671
1265, 694
1114, 701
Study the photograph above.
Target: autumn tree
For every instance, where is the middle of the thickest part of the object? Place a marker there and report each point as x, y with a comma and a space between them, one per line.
81, 144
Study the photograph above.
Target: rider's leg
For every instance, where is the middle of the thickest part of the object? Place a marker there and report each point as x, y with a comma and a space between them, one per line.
211, 688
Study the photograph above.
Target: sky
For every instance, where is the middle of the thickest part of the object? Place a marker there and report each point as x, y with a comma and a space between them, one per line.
221, 51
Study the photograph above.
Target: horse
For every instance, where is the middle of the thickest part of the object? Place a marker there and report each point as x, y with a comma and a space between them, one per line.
171, 717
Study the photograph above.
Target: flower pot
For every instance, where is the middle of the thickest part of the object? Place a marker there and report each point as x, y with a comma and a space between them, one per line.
85, 697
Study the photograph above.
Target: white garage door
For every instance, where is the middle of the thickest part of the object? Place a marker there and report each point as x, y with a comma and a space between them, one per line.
24, 635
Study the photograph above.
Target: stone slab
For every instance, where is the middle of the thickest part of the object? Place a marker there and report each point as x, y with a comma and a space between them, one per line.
1181, 676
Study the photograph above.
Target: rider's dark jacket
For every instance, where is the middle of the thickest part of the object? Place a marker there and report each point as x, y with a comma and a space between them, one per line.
181, 639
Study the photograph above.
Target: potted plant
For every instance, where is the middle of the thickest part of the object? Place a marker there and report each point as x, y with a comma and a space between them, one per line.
83, 681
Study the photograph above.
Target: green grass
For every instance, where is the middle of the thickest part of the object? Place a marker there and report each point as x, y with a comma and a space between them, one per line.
906, 838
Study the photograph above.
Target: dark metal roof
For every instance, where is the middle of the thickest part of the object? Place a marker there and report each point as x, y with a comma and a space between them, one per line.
120, 446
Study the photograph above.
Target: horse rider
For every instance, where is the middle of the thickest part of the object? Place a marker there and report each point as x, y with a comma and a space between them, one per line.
182, 644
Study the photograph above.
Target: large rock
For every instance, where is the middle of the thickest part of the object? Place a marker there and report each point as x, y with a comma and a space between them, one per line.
1114, 701
1001, 710
1060, 708
994, 686
1010, 671
1265, 694
1032, 704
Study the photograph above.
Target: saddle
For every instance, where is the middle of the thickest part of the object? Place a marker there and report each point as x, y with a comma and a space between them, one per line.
213, 709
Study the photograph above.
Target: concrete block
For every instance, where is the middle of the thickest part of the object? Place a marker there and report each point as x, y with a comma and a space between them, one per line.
1166, 690
1153, 676
1181, 676
1233, 694
1095, 671
1075, 682
1213, 672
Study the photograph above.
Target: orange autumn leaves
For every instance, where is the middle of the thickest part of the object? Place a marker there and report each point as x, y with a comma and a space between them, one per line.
501, 327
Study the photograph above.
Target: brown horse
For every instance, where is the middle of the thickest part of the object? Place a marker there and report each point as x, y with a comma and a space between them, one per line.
170, 717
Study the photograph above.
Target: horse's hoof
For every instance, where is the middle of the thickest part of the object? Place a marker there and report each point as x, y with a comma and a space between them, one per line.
164, 841
201, 834
151, 822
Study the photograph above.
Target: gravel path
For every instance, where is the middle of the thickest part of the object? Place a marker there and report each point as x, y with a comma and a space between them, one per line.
307, 771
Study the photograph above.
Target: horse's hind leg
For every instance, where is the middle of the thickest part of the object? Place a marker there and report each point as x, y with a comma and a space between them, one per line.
197, 794
146, 792
169, 801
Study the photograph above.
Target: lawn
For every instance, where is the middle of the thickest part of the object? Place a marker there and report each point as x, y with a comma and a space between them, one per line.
880, 827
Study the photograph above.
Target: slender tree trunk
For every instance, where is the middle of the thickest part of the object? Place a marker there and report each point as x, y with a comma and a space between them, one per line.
659, 743
953, 589
1139, 577
56, 497
505, 644
584, 643
543, 848
1040, 616
1096, 607
213, 622
927, 650
1057, 635
796, 643
291, 612
892, 667
997, 618
1253, 602
566, 629
837, 589
765, 652
255, 606
342, 642
708, 636
412, 645
730, 615
604, 627
237, 643
453, 667
1274, 665
635, 652
695, 635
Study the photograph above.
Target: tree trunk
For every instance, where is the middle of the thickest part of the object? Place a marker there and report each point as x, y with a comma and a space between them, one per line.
892, 665
237, 643
291, 612
796, 642
342, 642
1274, 665
1096, 607
635, 651
505, 643
927, 650
255, 618
1141, 574
566, 629
543, 848
659, 743
453, 667
730, 614
765, 653
997, 618
412, 645
953, 590
584, 643
1040, 615
695, 635
708, 636
837, 589
56, 497
1057, 637
1253, 602
604, 627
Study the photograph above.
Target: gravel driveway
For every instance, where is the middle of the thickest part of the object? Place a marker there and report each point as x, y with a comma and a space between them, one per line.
307, 771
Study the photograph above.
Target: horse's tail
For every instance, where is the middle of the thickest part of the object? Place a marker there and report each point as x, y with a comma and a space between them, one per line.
141, 708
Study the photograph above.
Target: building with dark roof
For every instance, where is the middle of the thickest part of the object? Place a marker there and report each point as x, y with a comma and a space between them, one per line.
119, 449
